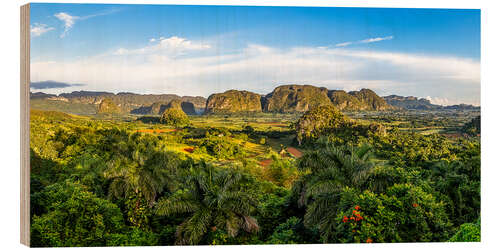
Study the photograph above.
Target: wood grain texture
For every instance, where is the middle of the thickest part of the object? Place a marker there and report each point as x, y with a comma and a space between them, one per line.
25, 128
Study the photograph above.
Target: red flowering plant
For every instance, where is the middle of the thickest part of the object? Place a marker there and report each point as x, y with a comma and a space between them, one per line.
404, 213
354, 226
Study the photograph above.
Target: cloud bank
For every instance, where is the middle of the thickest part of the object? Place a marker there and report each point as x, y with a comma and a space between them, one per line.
181, 66
53, 85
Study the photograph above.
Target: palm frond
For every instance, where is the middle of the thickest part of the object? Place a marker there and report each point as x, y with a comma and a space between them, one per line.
191, 231
176, 205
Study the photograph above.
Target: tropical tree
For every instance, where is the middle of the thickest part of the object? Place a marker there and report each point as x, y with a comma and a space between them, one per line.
75, 217
214, 199
139, 171
460, 188
328, 171
332, 168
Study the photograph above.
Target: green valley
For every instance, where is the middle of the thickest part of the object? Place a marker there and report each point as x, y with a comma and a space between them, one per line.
308, 173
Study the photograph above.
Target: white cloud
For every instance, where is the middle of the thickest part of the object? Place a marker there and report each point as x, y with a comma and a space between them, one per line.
68, 21
38, 29
376, 39
440, 101
368, 40
180, 66
173, 46
343, 44
177, 42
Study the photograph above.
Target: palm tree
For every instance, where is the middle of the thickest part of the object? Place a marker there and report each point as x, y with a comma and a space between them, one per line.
138, 170
332, 169
213, 199
328, 171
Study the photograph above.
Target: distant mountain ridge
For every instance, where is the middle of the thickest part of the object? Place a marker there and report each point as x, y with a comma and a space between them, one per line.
127, 102
411, 102
283, 99
296, 98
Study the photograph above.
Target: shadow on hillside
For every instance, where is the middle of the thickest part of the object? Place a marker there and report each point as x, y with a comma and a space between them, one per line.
149, 119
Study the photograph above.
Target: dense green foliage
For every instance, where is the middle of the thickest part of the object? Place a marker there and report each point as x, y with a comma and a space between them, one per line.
220, 147
468, 232
319, 121
214, 199
75, 217
329, 121
239, 180
473, 127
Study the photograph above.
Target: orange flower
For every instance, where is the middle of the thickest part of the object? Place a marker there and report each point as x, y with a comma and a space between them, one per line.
369, 240
415, 205
353, 231
352, 218
345, 219
357, 207
354, 211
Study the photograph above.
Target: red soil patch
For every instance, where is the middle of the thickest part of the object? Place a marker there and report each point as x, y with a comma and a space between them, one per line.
454, 135
265, 162
295, 152
156, 131
189, 150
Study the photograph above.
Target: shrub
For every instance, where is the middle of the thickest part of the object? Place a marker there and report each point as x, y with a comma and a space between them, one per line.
282, 172
221, 147
468, 232
286, 233
75, 217
404, 214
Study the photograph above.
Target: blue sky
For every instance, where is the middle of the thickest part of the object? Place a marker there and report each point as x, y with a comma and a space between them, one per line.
199, 50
